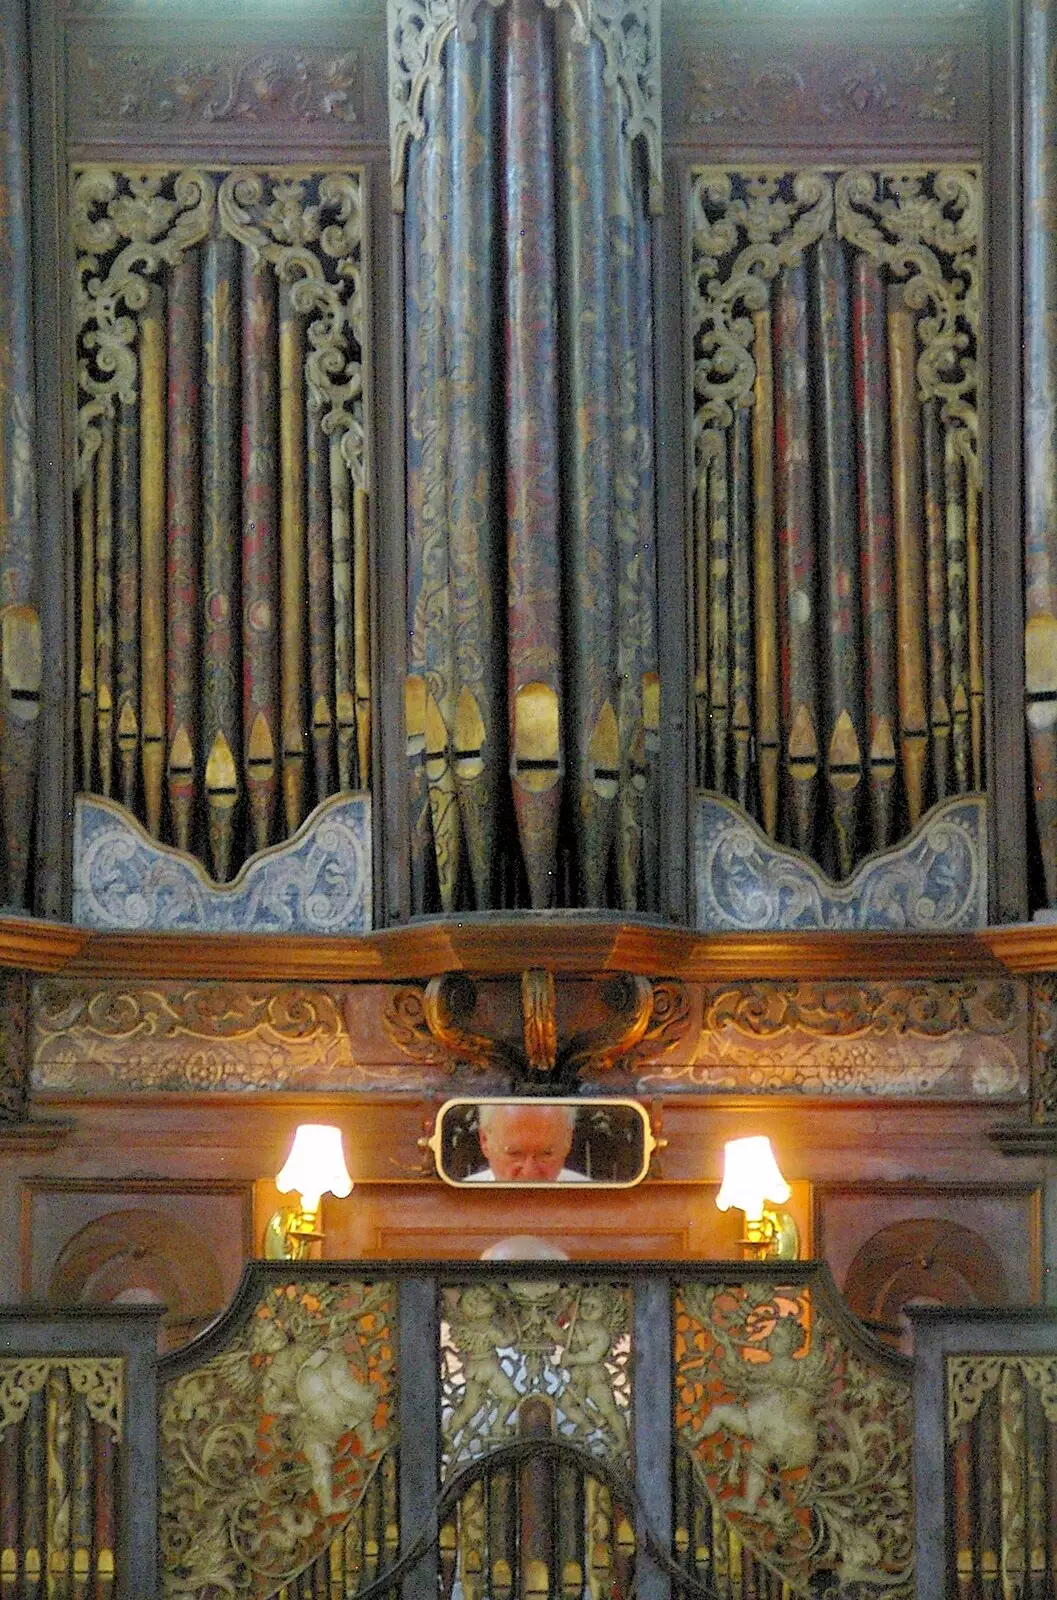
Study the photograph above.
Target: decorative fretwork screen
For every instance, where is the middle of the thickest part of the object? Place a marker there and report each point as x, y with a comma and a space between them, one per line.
224, 673
838, 670
493, 1431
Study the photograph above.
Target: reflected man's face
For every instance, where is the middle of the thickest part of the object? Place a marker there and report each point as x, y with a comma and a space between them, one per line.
527, 1144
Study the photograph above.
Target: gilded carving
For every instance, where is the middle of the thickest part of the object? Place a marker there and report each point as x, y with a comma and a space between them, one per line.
921, 223
128, 226
203, 1037
99, 1380
965, 1036
643, 1021
629, 32
214, 84
269, 1447
970, 1377
909, 85
501, 1343
803, 1446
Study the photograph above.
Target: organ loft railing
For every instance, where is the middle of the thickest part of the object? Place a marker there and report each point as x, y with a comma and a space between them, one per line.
705, 1432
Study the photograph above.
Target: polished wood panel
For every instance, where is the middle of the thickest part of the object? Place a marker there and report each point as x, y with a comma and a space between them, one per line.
488, 946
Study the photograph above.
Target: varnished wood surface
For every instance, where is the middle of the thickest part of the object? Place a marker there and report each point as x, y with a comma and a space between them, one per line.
498, 946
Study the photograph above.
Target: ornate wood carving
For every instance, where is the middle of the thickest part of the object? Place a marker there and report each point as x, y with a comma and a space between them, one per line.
100, 1380
434, 1025
208, 1038
178, 85
770, 1394
901, 1038
14, 1020
732, 86
267, 1447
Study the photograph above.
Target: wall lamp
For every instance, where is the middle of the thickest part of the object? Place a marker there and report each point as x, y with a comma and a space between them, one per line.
751, 1179
314, 1167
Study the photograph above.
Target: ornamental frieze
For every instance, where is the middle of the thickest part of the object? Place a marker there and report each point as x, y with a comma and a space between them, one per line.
969, 1038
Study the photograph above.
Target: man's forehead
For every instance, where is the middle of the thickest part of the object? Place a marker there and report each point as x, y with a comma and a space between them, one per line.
536, 1119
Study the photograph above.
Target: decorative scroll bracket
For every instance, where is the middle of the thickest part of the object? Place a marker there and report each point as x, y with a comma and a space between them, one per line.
435, 1022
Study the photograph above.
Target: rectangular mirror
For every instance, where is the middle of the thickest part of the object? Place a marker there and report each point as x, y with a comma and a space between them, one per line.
541, 1141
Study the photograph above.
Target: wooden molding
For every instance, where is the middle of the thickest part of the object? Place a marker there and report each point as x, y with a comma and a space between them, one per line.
35, 1136
35, 945
572, 945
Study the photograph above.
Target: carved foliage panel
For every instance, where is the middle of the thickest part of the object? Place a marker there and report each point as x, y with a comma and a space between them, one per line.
269, 1448
215, 86
811, 84
911, 1038
964, 1038
217, 1038
501, 1343
801, 1443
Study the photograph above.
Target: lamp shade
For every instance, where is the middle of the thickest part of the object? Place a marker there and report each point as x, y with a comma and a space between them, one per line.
751, 1177
315, 1165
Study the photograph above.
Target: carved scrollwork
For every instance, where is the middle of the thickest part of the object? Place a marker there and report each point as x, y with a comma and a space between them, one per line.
216, 83
99, 1380
629, 1000
1044, 1047
311, 231
128, 226
501, 1343
448, 1004
268, 1448
921, 224
538, 1005
628, 30
744, 228
803, 1446
970, 1378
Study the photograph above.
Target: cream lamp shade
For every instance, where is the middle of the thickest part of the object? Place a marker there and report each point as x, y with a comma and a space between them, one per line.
751, 1177
315, 1165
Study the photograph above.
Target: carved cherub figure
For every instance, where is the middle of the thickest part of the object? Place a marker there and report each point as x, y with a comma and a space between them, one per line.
778, 1416
586, 1342
323, 1399
478, 1334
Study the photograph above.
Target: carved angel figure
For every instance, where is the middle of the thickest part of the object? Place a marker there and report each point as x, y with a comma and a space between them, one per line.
478, 1334
778, 1415
324, 1401
586, 1342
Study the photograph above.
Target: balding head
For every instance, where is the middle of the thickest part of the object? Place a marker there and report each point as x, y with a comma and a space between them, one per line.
525, 1142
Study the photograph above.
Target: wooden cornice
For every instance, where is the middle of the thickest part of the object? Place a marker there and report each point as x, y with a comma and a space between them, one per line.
33, 945
570, 945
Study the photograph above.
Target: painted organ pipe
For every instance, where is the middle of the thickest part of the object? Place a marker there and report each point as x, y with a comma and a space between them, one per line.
20, 635
862, 664
537, 759
544, 1530
522, 107
222, 515
1040, 430
59, 1449
1001, 1480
